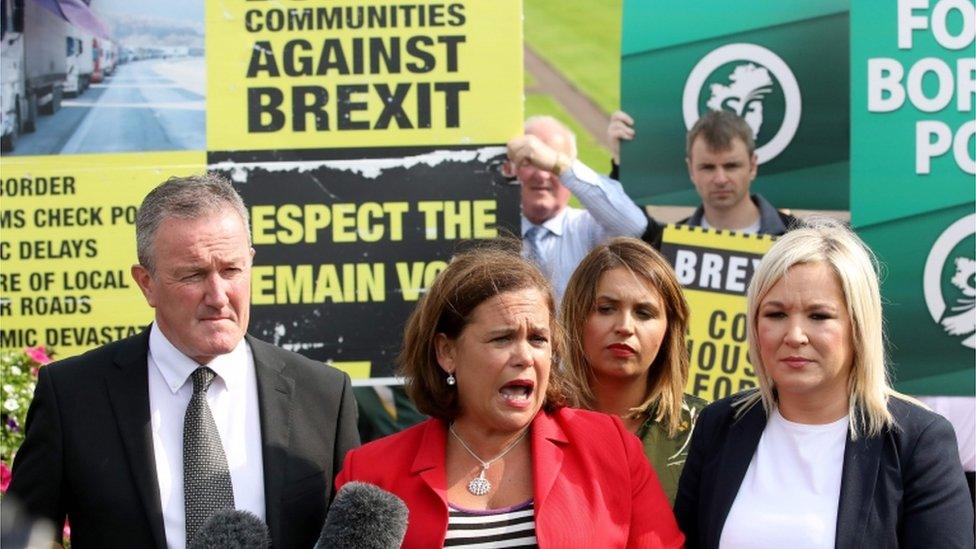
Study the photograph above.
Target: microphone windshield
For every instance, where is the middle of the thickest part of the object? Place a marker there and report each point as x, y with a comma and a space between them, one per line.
232, 529
364, 516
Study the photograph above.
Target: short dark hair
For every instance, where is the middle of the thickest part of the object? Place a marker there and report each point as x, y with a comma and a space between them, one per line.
185, 198
719, 129
472, 277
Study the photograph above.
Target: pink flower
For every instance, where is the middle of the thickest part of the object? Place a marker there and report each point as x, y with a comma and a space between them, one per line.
4, 477
37, 354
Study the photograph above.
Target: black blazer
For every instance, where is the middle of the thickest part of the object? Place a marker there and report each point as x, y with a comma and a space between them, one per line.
904, 488
88, 452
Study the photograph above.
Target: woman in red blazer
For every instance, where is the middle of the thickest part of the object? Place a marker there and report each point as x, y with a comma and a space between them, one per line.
502, 461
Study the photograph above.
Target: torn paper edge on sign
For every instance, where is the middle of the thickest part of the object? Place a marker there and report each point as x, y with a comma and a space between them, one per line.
370, 168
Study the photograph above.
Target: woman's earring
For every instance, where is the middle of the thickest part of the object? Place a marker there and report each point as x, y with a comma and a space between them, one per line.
450, 379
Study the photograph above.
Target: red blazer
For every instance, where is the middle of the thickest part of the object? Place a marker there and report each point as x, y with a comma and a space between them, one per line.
593, 486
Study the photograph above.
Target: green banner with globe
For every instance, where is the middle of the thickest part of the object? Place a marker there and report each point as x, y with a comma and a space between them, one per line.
913, 179
866, 106
754, 58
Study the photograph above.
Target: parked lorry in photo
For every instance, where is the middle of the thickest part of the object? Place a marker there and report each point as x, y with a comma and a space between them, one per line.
80, 62
106, 58
110, 57
34, 65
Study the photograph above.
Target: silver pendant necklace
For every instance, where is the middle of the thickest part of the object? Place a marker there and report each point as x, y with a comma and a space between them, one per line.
479, 485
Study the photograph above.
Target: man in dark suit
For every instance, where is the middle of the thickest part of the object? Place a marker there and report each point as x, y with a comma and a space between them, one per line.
139, 441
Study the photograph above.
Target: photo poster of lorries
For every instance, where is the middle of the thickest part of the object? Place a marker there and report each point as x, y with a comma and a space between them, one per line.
366, 139
102, 77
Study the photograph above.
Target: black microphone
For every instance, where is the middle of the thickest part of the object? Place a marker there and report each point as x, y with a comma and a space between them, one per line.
364, 516
232, 529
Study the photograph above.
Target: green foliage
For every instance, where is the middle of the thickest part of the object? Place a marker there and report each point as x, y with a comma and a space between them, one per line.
582, 41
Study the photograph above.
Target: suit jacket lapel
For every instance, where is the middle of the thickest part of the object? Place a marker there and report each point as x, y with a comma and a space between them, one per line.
430, 466
548, 442
740, 446
128, 390
274, 401
858, 479
430, 460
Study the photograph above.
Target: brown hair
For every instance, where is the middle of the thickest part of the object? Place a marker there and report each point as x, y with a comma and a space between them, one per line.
669, 371
719, 129
471, 278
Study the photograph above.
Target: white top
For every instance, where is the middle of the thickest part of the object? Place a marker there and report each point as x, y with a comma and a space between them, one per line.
791, 491
233, 400
751, 229
573, 232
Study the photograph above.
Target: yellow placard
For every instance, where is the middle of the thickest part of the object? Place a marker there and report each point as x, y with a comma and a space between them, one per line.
323, 74
355, 369
68, 244
714, 268
717, 346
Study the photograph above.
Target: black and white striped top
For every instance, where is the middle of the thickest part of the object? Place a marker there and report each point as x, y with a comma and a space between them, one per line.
506, 527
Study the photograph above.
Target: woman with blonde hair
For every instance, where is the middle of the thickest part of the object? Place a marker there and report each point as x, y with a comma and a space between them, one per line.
825, 453
626, 319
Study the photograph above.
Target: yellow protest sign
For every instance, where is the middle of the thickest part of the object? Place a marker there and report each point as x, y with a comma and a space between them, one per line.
365, 139
303, 74
714, 268
68, 243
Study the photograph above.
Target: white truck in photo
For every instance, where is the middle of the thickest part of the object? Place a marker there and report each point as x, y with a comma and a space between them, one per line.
80, 63
34, 66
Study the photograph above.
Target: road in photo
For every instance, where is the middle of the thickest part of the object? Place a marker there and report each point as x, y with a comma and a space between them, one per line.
146, 105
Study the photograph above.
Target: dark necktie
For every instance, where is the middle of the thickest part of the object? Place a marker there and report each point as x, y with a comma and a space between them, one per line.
206, 479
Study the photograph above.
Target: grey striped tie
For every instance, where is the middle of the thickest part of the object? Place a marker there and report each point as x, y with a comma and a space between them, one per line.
206, 479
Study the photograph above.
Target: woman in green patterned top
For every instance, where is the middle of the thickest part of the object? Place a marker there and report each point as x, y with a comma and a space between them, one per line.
626, 319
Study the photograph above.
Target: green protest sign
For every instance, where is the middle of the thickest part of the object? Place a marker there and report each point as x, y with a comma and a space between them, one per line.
912, 181
753, 58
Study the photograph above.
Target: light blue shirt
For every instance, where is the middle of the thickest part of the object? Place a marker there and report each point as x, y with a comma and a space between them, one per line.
569, 235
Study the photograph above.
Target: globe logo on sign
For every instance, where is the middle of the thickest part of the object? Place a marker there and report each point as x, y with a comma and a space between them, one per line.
754, 83
949, 281
748, 86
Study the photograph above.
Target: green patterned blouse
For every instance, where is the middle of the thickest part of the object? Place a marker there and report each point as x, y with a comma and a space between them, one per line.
667, 455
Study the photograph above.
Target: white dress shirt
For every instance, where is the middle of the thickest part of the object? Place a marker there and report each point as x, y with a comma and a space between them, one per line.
233, 400
571, 234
